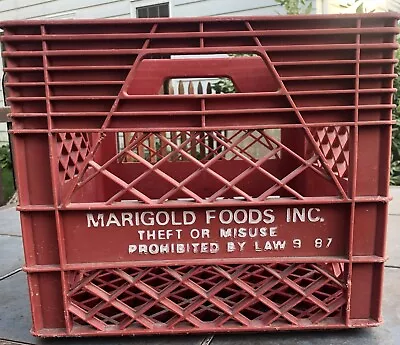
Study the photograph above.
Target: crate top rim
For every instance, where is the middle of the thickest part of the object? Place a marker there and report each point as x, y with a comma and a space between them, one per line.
33, 22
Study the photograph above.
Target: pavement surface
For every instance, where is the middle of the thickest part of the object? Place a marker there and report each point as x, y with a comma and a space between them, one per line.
15, 320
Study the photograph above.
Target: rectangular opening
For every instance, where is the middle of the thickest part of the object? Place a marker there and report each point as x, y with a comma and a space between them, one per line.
153, 11
202, 146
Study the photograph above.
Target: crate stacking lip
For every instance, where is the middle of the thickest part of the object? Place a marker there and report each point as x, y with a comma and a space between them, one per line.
190, 175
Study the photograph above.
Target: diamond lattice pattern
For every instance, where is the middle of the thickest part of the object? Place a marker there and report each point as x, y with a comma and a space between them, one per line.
334, 144
248, 165
72, 149
190, 297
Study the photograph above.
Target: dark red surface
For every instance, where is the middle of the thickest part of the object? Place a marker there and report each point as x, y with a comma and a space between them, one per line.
307, 129
273, 239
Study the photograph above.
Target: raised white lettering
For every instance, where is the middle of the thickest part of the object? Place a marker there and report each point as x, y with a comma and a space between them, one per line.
113, 220
269, 216
247, 232
312, 218
159, 218
240, 216
95, 223
269, 245
146, 218
230, 247
255, 216
126, 217
210, 214
186, 217
222, 216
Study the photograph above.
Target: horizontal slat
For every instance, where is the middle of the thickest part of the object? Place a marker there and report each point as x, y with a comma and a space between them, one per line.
343, 76
107, 23
24, 83
89, 68
196, 34
66, 83
207, 128
334, 62
244, 96
177, 96
22, 69
207, 50
127, 67
221, 112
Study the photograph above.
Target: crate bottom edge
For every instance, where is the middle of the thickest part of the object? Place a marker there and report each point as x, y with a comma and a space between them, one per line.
85, 332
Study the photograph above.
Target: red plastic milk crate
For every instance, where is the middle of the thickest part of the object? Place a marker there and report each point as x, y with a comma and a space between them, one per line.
145, 210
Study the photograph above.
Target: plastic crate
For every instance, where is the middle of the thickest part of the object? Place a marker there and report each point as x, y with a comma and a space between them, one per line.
146, 212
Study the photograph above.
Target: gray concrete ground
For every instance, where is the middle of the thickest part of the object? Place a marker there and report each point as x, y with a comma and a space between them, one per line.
15, 311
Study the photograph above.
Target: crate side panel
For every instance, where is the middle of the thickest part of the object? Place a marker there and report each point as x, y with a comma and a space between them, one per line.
365, 229
370, 229
32, 164
366, 288
373, 163
40, 235
46, 300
